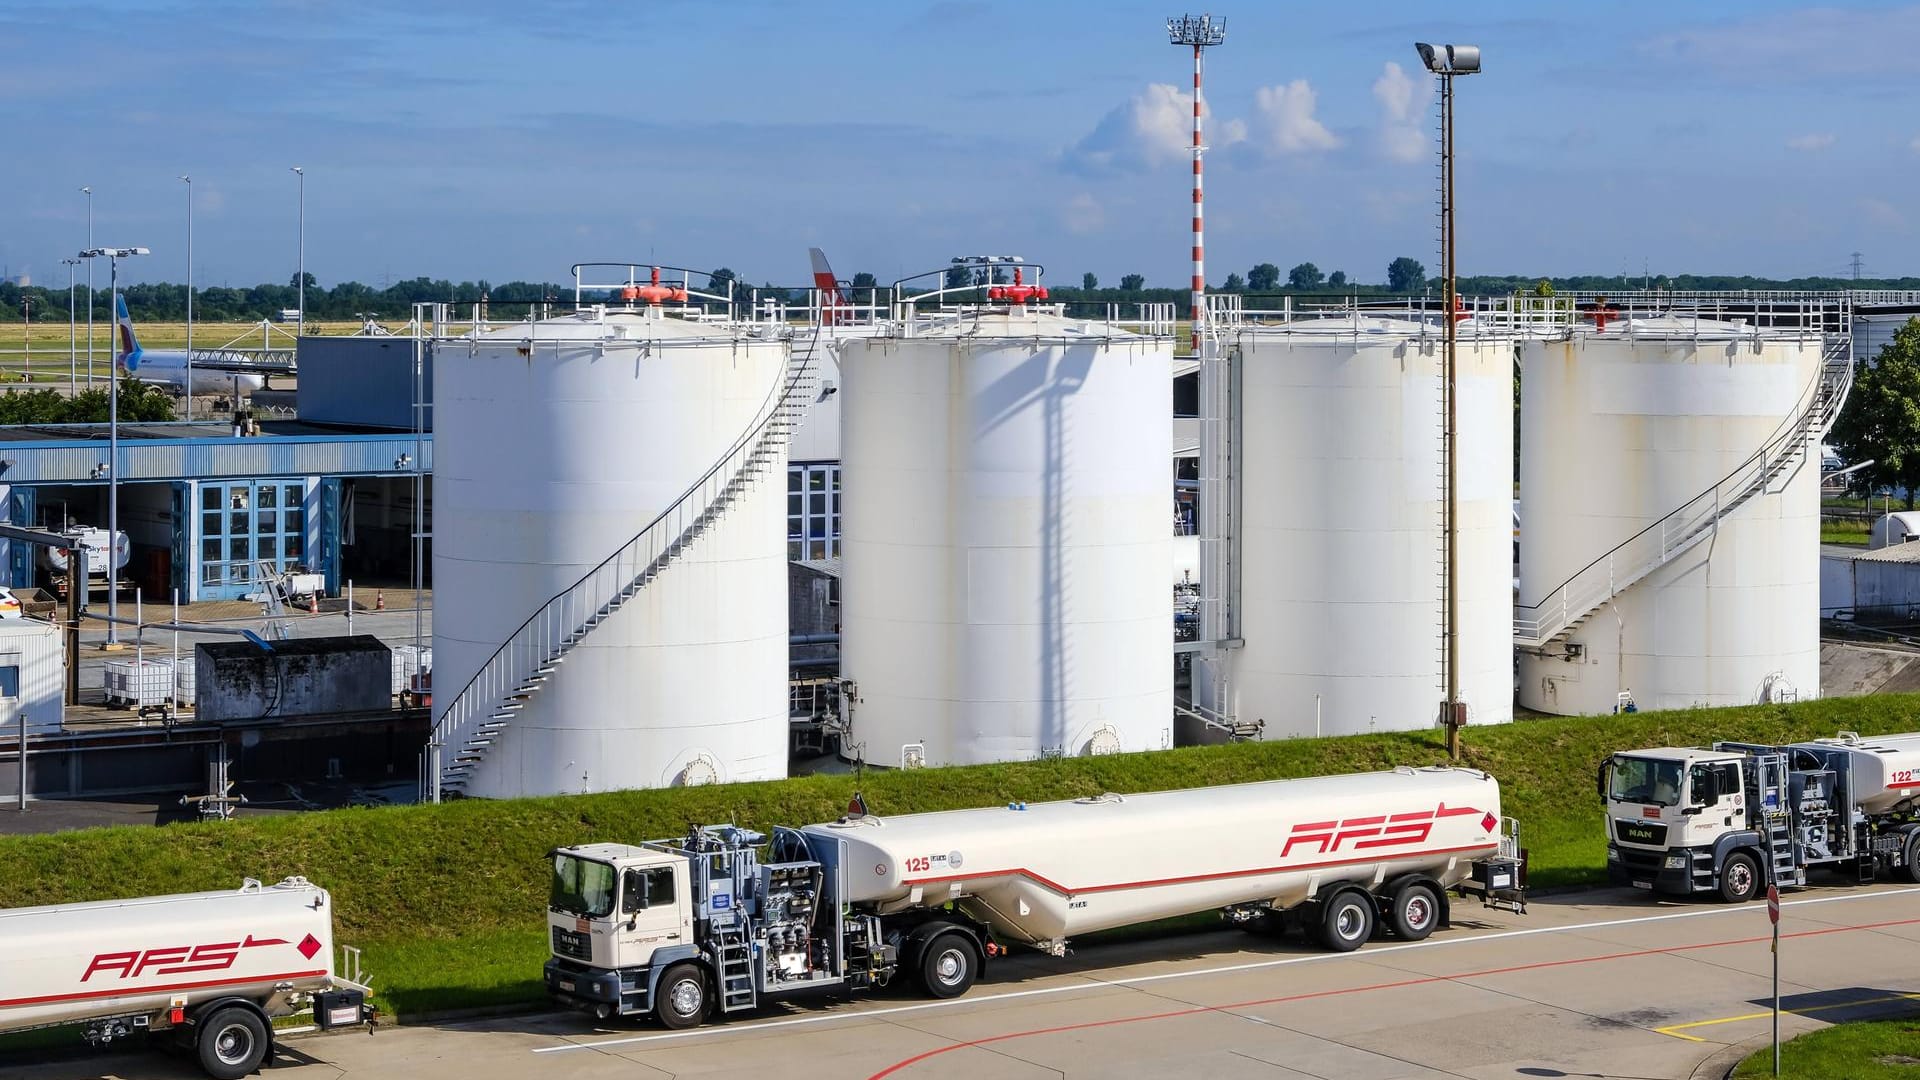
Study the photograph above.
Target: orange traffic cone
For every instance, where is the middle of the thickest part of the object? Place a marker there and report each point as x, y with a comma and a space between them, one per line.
313, 604
379, 600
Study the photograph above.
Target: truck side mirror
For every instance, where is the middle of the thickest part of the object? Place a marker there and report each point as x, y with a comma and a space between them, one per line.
1706, 785
633, 892
1600, 779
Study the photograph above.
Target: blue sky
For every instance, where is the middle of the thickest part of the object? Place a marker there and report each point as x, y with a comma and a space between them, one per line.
476, 139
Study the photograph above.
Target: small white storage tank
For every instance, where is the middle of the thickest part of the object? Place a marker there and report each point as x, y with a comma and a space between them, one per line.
1004, 532
1343, 496
556, 443
1621, 427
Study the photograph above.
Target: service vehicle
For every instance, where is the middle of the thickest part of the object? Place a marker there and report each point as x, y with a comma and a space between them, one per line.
1731, 818
721, 919
207, 971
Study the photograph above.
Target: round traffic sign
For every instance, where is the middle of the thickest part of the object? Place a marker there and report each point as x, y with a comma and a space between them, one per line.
1773, 904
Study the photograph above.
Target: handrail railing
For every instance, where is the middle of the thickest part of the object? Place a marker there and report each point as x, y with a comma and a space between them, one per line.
1660, 542
525, 658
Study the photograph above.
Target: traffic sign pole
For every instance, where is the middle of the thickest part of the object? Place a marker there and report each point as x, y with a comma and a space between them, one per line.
1773, 916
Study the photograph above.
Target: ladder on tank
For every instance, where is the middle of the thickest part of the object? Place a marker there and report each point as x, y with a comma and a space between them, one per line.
1570, 603
733, 955
477, 718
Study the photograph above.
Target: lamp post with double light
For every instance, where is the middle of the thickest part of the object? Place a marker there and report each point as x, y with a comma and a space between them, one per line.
113, 257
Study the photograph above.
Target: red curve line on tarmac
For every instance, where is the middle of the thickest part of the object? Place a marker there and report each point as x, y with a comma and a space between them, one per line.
1424, 980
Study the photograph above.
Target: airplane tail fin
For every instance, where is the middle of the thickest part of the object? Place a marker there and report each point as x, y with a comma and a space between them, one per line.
129, 343
832, 295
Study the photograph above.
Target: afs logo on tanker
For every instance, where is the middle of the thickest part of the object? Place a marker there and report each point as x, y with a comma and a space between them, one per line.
181, 959
1378, 831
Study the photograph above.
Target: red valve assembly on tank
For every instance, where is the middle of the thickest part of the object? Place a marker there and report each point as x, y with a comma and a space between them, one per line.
1017, 293
654, 292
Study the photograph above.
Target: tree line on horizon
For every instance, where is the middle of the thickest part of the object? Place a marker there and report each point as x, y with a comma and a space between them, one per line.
349, 300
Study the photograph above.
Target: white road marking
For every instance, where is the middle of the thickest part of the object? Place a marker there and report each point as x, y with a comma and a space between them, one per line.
1138, 980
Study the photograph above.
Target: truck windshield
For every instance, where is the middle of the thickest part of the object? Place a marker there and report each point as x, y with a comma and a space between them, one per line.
1645, 780
582, 887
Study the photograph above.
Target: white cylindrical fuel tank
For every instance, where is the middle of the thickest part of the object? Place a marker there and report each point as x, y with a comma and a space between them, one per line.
1886, 769
1043, 872
1618, 429
72, 962
557, 442
1005, 539
1340, 548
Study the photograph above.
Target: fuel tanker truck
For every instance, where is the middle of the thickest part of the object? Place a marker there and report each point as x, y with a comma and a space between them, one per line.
720, 919
1726, 820
207, 971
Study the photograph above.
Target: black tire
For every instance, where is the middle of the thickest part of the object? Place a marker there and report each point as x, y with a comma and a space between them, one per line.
232, 1043
1346, 922
1739, 878
1414, 912
948, 965
1913, 856
680, 1000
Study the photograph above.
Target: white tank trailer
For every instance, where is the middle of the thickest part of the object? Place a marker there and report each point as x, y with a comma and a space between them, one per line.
1618, 430
706, 923
209, 970
556, 443
1005, 539
1341, 556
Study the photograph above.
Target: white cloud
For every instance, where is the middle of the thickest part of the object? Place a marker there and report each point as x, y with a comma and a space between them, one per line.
1154, 128
1883, 214
1284, 121
1818, 140
1084, 215
1403, 104
1803, 44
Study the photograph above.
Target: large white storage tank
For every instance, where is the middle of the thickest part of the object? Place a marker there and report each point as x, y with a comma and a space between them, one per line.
1004, 532
556, 442
1618, 429
1340, 547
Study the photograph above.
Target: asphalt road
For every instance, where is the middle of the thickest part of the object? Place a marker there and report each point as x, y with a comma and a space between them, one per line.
1603, 984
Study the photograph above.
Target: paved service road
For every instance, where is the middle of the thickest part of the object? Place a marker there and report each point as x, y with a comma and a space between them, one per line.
1601, 984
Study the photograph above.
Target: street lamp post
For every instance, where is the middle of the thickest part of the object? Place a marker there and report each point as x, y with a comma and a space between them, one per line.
113, 257
73, 332
300, 273
88, 192
1447, 61
188, 180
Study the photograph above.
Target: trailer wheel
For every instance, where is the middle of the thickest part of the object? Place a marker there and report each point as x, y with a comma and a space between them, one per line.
1913, 856
1739, 878
948, 966
681, 1000
1415, 911
1346, 922
232, 1043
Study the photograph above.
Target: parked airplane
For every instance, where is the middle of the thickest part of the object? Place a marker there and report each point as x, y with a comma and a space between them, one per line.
833, 293
213, 372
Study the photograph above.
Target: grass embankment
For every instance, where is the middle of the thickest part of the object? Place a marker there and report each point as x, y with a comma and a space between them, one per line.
1844, 531
448, 900
1868, 1050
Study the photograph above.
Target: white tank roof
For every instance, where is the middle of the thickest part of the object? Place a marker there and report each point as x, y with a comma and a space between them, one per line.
1017, 322
594, 324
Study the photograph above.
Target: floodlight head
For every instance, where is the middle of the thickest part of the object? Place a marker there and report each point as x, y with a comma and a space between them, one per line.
1196, 30
1449, 59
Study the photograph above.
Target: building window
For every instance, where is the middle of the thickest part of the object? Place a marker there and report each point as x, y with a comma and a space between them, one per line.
813, 511
247, 523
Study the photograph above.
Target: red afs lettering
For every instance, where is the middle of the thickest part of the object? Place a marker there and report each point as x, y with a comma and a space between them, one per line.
918, 864
1370, 832
158, 957
115, 961
172, 960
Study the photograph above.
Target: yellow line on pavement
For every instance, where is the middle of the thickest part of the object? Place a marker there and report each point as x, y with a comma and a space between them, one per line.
1675, 1029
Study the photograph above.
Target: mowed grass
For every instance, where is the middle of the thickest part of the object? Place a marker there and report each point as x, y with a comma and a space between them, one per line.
1844, 532
1869, 1050
448, 901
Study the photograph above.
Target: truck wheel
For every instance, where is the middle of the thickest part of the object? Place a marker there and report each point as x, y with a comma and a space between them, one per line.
948, 966
1739, 879
1415, 912
681, 1000
1346, 922
1913, 856
232, 1043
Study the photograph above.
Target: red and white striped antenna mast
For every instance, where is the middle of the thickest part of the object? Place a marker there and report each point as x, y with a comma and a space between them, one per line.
1199, 31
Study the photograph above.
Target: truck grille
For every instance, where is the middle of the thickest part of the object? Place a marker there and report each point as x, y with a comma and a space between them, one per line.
1650, 833
568, 943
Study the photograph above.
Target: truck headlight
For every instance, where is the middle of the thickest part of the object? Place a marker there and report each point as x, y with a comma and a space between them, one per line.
1676, 862
1613, 853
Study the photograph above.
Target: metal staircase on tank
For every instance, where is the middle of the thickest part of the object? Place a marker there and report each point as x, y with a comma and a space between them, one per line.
476, 718
735, 956
1567, 605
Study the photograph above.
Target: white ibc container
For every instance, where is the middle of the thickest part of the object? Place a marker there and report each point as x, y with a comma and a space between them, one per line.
1005, 497
183, 683
139, 682
1341, 544
1619, 429
408, 661
555, 444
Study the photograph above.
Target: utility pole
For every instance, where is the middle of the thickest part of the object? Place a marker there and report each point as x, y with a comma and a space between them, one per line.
1201, 32
26, 313
1856, 266
1447, 61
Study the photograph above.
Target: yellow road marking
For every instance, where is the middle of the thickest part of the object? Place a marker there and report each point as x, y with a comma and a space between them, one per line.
1675, 1029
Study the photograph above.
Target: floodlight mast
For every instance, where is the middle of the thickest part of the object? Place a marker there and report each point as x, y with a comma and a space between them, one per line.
1201, 32
1447, 61
77, 569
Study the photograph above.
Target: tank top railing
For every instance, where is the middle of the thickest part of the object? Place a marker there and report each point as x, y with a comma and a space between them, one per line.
477, 716
1566, 605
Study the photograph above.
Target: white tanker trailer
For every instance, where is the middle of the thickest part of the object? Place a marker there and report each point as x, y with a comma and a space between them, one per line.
684, 927
210, 969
